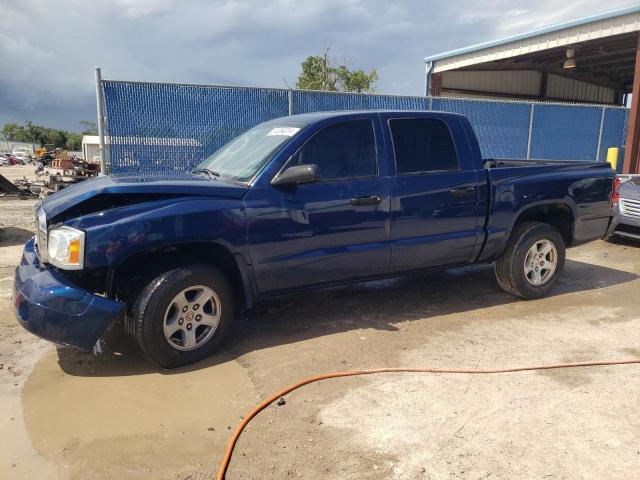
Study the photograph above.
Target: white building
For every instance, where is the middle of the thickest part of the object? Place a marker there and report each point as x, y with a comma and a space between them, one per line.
90, 150
8, 146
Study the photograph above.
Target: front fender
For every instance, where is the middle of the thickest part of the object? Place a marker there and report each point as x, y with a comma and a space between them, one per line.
114, 235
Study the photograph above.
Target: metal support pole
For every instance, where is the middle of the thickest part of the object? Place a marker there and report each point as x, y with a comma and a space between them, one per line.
600, 134
428, 68
290, 101
632, 146
533, 106
100, 111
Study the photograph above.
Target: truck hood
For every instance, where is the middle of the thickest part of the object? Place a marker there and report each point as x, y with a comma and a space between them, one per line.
130, 189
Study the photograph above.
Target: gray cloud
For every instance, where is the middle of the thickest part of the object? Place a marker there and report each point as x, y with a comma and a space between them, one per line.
48, 47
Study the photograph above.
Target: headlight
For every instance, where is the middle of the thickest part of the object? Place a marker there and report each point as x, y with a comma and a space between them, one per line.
66, 248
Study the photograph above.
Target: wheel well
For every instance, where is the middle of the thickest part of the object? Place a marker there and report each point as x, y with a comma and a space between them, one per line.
133, 273
558, 215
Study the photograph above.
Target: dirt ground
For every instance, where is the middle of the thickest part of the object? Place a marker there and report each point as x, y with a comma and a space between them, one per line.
15, 172
67, 415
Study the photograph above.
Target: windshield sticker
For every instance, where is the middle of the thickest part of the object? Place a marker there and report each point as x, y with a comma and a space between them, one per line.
283, 131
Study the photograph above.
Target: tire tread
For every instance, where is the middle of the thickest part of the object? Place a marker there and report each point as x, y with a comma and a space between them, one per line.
139, 324
507, 268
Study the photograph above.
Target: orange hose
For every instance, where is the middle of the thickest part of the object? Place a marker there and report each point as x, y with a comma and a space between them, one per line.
236, 435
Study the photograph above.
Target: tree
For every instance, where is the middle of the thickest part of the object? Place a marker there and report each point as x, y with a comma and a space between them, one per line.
316, 75
7, 131
89, 127
356, 80
320, 72
45, 136
73, 142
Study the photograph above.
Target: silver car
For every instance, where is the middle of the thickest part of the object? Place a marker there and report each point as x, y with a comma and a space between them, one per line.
626, 216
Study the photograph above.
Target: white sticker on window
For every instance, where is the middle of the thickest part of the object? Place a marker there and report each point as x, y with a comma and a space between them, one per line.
283, 131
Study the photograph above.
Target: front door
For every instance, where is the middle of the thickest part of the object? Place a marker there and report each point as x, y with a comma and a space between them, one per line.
329, 231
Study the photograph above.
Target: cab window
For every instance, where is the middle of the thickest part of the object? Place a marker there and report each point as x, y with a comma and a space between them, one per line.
422, 145
344, 150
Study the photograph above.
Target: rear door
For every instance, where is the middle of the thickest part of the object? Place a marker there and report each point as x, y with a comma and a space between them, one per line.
436, 216
329, 231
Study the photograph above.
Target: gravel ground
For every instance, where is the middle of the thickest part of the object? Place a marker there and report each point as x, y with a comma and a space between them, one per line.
73, 416
15, 172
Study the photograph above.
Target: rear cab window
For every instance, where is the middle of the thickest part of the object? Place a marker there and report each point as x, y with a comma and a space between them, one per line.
422, 145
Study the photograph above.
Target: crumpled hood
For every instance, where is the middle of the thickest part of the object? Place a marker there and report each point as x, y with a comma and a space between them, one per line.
170, 184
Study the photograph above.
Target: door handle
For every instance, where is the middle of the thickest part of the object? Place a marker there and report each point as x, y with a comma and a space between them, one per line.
463, 191
366, 200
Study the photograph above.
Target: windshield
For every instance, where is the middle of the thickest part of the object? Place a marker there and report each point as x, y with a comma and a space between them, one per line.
243, 157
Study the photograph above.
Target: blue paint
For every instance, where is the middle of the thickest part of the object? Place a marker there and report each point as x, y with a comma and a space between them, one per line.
50, 306
291, 238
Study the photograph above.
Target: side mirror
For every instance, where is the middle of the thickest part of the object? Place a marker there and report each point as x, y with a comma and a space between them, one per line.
297, 175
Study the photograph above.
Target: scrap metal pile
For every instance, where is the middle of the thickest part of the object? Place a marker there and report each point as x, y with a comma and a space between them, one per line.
55, 170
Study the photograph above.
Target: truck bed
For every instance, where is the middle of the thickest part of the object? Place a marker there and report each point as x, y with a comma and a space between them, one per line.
582, 189
516, 162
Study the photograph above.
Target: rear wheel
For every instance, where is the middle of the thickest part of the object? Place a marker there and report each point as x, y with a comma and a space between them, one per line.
182, 315
533, 260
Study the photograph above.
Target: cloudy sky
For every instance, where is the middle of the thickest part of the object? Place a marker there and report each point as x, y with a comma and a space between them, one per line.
48, 47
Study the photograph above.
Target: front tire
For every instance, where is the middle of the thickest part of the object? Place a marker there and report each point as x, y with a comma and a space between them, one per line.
182, 315
532, 262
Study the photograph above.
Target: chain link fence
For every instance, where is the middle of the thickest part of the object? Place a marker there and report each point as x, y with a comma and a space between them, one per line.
161, 126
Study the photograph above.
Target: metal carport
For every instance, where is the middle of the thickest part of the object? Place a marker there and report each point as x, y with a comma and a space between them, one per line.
594, 60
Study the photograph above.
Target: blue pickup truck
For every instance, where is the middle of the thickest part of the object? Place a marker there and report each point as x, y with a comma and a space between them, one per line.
300, 202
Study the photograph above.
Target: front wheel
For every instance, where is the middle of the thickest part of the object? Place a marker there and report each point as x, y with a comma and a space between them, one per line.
182, 315
532, 262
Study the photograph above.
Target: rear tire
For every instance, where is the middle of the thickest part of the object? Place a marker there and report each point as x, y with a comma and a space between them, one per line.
532, 262
182, 315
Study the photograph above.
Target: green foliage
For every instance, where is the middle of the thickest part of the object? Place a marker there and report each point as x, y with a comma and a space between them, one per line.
88, 127
316, 75
50, 137
73, 142
320, 73
356, 80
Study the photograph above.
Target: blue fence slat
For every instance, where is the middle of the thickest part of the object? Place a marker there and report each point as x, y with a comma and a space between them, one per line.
393, 102
154, 127
310, 101
502, 128
565, 132
614, 132
174, 127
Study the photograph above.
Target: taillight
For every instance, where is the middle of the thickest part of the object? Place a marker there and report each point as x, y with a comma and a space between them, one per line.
615, 195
